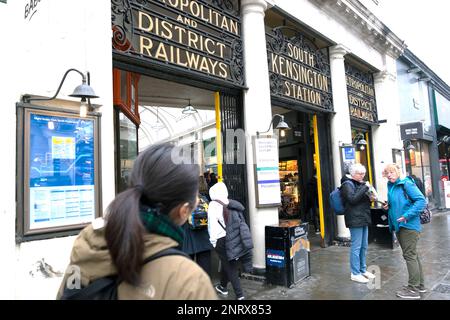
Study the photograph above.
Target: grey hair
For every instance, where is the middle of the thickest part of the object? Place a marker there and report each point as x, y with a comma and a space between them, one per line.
357, 167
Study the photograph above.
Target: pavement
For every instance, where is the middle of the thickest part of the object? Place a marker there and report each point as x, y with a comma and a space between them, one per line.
330, 271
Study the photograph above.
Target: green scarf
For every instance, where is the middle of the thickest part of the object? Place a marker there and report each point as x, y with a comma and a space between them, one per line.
158, 223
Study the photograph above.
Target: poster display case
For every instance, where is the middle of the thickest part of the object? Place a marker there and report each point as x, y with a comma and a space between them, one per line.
58, 170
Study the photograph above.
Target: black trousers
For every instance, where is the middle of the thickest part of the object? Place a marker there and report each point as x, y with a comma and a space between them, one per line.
230, 269
203, 259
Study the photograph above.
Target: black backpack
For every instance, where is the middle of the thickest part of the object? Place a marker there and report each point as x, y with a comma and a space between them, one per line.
106, 288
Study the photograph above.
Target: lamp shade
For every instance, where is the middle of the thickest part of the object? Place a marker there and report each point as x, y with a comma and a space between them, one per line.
189, 109
83, 91
362, 142
282, 125
410, 147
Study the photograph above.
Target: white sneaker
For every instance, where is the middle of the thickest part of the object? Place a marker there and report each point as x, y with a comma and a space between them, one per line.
359, 278
369, 275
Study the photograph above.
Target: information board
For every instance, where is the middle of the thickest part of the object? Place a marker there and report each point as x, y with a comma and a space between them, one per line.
266, 172
59, 171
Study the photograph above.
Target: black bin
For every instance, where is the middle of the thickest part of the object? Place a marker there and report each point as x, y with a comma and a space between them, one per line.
287, 253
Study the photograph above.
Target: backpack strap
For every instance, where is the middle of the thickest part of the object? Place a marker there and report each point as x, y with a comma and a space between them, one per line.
405, 193
223, 205
165, 252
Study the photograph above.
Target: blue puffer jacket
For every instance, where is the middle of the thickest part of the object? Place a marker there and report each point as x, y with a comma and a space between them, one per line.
400, 206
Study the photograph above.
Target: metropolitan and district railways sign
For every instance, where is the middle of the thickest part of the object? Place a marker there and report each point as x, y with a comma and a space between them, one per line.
361, 94
299, 72
192, 35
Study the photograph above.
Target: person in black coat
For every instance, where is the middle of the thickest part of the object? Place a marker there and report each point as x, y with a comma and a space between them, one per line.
312, 203
196, 241
355, 196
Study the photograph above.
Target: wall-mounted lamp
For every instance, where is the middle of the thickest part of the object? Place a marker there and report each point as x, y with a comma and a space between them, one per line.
359, 140
413, 70
425, 79
189, 109
83, 91
444, 139
281, 124
409, 145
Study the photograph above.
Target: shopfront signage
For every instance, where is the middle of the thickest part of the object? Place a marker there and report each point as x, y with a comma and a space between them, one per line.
411, 131
267, 177
200, 37
361, 94
299, 71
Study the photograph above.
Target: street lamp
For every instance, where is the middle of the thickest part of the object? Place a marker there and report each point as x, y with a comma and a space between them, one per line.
282, 125
83, 91
409, 145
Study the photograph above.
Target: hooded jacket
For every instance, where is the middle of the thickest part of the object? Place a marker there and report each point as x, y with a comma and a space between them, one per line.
219, 192
169, 278
357, 203
400, 206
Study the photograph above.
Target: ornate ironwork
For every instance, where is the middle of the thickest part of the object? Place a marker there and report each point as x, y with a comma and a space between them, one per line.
122, 25
276, 84
229, 6
237, 63
365, 77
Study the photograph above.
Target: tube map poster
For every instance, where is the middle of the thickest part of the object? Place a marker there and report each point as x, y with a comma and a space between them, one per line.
61, 171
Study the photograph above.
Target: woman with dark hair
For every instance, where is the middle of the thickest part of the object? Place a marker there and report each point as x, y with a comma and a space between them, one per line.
142, 221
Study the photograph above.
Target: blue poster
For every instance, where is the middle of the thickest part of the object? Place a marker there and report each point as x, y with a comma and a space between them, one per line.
61, 170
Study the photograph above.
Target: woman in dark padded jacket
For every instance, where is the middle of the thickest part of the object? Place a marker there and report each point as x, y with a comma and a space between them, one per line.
354, 192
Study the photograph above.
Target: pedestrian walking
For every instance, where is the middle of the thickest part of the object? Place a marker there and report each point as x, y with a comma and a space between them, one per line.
140, 222
404, 205
355, 195
230, 236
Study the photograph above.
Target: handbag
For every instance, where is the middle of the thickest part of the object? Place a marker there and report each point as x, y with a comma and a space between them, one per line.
425, 216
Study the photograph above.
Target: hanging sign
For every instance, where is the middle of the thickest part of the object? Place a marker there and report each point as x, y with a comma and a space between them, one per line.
267, 177
299, 71
361, 94
201, 37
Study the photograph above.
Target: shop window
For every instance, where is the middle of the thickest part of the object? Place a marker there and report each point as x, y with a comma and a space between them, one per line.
289, 181
126, 93
126, 148
418, 166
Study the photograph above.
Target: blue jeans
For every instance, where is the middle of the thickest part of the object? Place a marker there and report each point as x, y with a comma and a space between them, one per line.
358, 250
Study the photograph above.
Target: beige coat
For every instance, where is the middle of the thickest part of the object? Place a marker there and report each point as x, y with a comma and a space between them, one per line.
169, 278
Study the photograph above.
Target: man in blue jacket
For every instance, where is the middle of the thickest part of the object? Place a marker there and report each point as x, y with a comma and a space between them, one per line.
405, 203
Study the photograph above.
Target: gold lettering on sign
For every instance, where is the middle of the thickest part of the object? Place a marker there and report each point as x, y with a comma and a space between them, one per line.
358, 85
204, 13
297, 72
167, 53
361, 114
302, 93
359, 102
